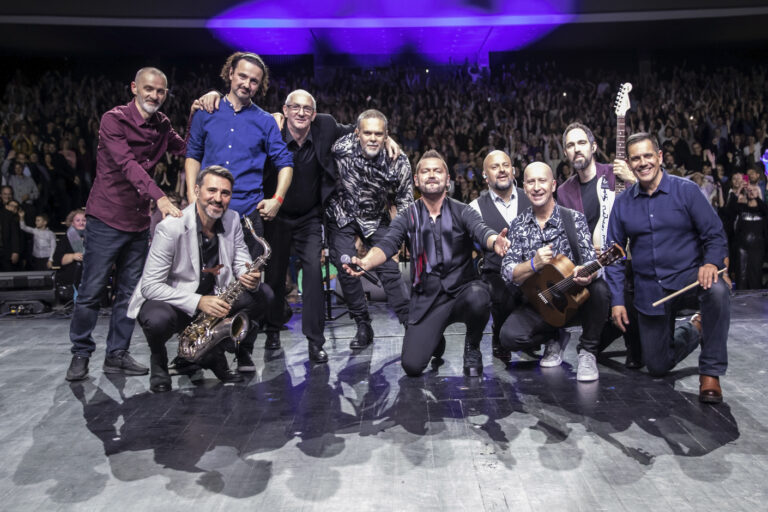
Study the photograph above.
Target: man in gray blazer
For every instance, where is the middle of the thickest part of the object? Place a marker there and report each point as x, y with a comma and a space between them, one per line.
190, 259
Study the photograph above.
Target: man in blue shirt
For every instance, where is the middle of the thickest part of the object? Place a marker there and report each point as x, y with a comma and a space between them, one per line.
240, 137
675, 238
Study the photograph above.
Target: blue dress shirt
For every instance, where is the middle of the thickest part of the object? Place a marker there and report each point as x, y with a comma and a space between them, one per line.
671, 234
240, 141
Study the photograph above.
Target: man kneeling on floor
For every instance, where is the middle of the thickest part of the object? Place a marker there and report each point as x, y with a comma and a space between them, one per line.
190, 259
441, 234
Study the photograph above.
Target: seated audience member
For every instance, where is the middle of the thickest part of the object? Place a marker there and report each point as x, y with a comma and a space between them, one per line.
69, 251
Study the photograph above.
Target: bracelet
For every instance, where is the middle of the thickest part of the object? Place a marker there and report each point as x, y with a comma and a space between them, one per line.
279, 199
532, 266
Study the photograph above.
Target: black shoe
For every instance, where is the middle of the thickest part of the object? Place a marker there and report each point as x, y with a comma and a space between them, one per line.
122, 362
473, 362
273, 341
221, 370
632, 364
244, 362
160, 387
437, 355
502, 354
317, 354
363, 336
78, 368
181, 366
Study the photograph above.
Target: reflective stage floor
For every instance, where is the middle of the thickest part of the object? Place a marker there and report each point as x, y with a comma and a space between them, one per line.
358, 435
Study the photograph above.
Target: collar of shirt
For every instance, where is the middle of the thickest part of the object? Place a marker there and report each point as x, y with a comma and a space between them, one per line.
553, 220
289, 138
498, 199
225, 101
138, 119
663, 186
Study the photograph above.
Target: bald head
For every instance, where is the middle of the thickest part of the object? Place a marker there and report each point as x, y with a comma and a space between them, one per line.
499, 173
537, 168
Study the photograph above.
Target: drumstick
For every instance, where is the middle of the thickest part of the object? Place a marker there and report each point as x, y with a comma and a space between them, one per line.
680, 292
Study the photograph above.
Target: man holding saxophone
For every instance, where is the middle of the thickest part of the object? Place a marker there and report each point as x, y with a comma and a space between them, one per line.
190, 260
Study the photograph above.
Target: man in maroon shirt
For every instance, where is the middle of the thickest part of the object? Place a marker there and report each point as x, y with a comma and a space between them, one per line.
132, 139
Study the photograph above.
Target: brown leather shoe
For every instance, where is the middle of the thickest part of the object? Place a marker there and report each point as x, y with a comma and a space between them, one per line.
709, 390
696, 322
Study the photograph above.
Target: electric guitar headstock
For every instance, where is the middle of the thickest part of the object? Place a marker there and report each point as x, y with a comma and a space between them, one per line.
621, 106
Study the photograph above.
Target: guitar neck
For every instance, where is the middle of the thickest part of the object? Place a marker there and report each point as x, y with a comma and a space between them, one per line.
621, 138
621, 148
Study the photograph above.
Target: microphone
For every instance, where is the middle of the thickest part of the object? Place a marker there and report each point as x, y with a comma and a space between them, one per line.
346, 260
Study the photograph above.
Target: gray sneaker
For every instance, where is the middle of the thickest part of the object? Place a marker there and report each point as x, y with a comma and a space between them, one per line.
553, 350
587, 370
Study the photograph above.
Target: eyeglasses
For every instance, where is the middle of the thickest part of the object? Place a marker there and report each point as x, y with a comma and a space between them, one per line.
301, 108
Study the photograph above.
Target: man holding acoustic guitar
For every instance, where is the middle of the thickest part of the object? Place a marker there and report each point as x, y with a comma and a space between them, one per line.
544, 241
675, 238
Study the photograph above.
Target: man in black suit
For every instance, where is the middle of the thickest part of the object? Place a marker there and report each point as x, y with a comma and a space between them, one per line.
10, 236
309, 136
499, 206
441, 234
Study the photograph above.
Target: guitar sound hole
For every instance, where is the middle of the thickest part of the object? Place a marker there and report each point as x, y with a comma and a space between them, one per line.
558, 299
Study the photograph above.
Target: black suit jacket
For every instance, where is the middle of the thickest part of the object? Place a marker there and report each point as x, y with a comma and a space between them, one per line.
325, 131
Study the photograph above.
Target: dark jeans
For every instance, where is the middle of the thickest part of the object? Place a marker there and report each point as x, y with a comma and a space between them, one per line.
105, 246
160, 321
504, 299
304, 232
342, 241
470, 307
665, 345
525, 328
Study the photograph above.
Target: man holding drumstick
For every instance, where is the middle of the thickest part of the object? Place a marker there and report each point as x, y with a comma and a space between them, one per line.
675, 238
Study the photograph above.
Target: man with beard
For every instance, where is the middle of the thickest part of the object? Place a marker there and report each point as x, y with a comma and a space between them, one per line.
359, 207
499, 206
132, 139
676, 238
536, 236
240, 136
190, 258
441, 234
592, 191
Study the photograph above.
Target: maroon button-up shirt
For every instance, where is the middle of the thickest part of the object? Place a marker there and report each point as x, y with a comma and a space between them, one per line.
129, 147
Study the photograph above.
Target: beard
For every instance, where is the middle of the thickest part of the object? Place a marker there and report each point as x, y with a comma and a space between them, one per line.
502, 186
149, 108
209, 210
580, 165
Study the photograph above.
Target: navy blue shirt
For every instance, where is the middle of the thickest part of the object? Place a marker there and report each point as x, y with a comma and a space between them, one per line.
671, 234
240, 141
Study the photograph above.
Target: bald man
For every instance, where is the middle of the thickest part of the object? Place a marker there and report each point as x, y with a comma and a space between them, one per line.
536, 236
499, 206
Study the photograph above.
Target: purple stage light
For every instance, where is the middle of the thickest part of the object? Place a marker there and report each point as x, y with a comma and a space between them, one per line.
440, 31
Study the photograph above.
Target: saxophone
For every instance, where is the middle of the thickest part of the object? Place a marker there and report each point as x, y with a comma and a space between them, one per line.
207, 331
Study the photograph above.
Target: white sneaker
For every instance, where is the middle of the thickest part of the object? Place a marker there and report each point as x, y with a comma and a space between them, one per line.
553, 350
587, 370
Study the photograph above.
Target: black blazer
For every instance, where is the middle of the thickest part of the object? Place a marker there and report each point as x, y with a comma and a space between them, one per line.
10, 233
325, 131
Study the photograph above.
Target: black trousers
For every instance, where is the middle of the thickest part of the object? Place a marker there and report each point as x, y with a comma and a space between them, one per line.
159, 320
342, 241
304, 233
504, 299
471, 306
525, 328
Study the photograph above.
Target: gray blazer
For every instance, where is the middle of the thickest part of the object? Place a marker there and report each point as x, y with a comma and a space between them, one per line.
172, 271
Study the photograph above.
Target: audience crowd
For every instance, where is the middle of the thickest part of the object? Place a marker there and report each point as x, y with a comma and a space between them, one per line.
712, 125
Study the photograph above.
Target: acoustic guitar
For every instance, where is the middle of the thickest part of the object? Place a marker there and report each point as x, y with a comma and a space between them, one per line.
556, 297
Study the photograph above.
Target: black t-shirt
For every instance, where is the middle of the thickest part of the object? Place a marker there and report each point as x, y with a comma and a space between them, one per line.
304, 192
209, 257
590, 202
